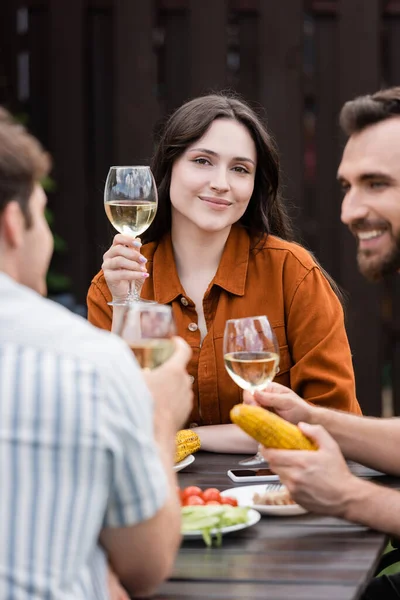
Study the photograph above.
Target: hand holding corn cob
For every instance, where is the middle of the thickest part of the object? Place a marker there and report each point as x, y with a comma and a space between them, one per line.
186, 442
268, 429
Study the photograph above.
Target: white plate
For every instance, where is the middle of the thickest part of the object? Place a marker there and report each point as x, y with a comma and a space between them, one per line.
252, 518
184, 463
244, 496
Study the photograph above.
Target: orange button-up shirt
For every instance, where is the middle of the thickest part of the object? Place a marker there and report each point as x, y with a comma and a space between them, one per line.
279, 279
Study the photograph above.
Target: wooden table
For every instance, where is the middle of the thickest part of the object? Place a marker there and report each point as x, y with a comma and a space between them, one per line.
305, 557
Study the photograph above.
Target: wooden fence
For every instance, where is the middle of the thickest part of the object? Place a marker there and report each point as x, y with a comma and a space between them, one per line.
97, 76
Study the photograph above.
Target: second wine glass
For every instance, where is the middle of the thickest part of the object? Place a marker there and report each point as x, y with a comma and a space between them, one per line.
251, 356
130, 202
148, 329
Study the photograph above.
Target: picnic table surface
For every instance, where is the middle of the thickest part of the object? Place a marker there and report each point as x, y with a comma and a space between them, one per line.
305, 557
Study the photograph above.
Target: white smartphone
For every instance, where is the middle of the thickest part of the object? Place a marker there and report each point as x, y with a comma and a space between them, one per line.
252, 475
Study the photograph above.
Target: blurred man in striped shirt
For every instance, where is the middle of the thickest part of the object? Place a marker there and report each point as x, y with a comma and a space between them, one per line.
86, 444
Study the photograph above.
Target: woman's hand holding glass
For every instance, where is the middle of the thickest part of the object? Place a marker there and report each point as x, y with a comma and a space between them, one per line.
122, 266
251, 356
130, 202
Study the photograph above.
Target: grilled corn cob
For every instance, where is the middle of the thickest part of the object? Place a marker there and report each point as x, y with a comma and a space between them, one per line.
268, 429
186, 442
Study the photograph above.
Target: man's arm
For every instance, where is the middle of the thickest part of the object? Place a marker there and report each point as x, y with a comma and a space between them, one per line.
366, 440
321, 482
374, 506
228, 439
142, 554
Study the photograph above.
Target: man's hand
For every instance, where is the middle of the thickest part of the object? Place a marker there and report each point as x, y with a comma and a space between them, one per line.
283, 400
320, 481
171, 386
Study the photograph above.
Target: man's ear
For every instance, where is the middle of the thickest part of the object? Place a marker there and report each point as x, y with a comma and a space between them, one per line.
12, 225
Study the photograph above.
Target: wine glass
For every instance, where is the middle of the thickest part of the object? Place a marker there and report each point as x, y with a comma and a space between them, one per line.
130, 202
148, 329
251, 356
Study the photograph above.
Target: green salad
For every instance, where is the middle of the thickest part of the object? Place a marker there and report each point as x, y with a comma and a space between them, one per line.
209, 520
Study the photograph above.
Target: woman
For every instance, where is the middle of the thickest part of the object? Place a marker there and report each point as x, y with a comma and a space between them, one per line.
220, 248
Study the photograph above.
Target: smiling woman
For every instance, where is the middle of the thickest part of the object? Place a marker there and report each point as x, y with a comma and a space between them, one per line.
220, 247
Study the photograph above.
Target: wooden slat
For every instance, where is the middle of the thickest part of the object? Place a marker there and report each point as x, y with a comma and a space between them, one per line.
101, 126
8, 54
359, 69
238, 5
249, 71
281, 93
327, 206
134, 82
34, 4
172, 4
175, 58
392, 7
245, 6
319, 6
208, 21
67, 129
244, 591
327, 7
38, 41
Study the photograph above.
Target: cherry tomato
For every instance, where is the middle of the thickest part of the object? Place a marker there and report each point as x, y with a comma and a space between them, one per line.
211, 494
213, 502
229, 500
191, 490
193, 501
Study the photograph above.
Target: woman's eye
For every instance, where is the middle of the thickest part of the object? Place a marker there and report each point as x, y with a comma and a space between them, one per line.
240, 169
201, 161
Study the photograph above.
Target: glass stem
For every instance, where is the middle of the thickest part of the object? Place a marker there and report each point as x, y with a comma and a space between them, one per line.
133, 293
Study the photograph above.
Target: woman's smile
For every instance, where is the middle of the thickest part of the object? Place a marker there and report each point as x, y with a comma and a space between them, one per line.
216, 203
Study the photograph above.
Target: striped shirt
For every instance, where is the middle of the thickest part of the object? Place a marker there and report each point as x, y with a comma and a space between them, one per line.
76, 448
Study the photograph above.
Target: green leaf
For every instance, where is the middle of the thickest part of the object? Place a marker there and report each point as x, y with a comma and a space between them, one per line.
48, 184
49, 216
57, 283
60, 245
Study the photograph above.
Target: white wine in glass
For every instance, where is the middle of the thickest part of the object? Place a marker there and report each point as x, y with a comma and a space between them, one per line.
130, 217
148, 329
251, 356
251, 370
130, 202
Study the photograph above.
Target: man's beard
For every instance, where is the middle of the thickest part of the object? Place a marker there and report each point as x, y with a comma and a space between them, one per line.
375, 269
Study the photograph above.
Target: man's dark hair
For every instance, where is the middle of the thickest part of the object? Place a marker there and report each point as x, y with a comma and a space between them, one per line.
370, 109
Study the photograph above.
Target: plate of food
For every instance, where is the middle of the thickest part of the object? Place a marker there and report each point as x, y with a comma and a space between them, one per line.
273, 499
212, 521
184, 463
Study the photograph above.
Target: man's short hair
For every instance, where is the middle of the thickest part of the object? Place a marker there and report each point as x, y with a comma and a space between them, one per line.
370, 109
23, 163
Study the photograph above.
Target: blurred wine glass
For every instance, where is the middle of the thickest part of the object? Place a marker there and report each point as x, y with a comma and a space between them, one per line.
130, 202
148, 329
251, 356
